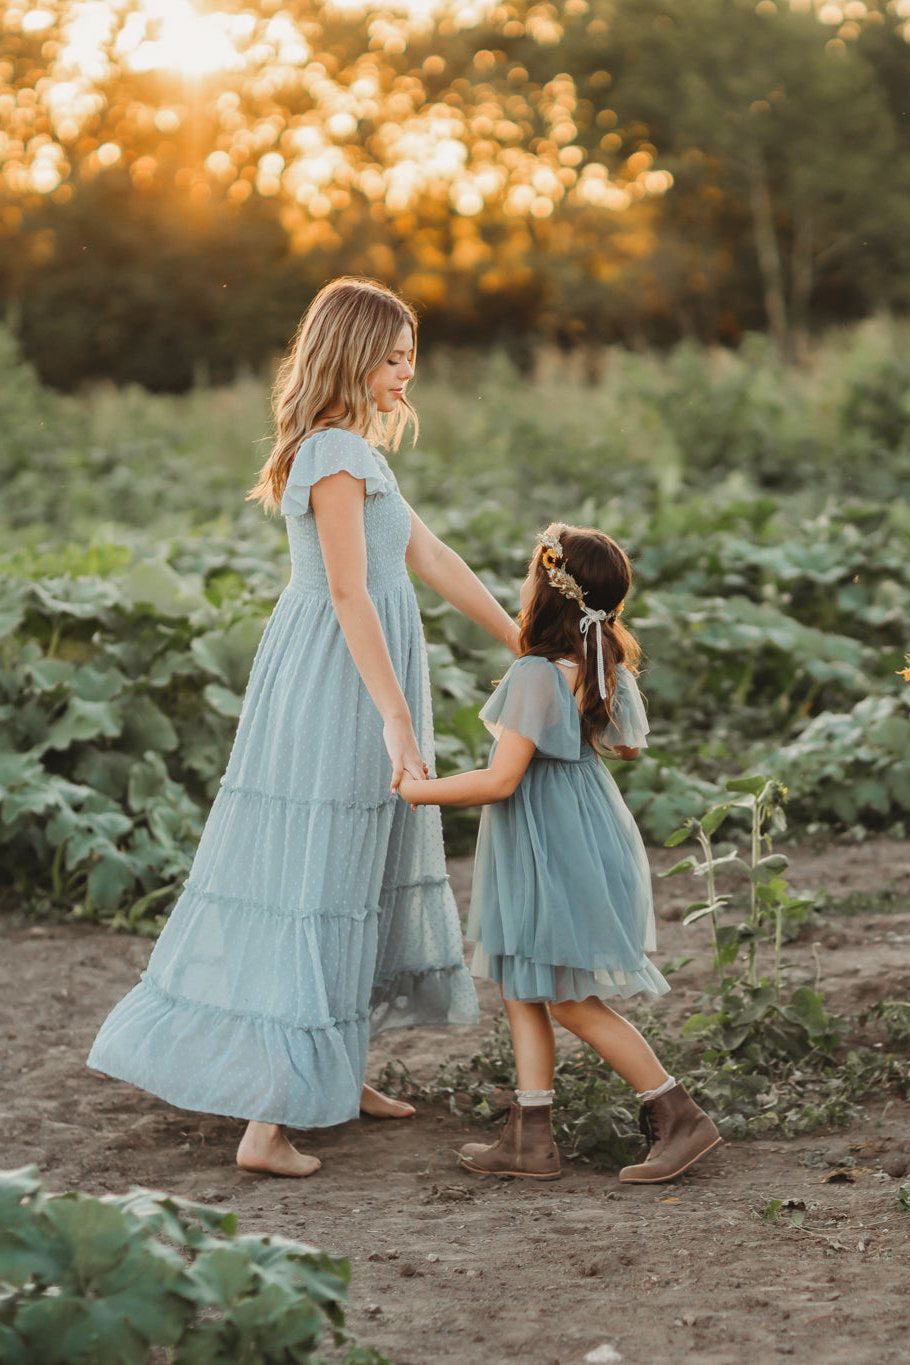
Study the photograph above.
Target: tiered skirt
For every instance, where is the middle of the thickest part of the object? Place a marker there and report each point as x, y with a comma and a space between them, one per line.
317, 910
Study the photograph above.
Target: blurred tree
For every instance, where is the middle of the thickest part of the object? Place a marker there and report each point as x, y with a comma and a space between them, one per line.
758, 106
174, 188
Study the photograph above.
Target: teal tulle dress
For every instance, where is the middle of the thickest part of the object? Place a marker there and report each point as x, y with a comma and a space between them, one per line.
317, 908
561, 904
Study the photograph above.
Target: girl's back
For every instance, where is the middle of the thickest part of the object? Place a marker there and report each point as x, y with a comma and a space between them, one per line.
561, 905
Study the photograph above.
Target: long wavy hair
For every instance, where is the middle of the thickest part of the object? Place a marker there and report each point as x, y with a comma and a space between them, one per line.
348, 330
550, 624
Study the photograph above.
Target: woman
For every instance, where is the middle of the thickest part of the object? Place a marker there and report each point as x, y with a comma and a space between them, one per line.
318, 903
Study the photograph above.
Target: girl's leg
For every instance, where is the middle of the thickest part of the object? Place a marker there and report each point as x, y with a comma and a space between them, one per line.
679, 1133
265, 1147
526, 1147
532, 1040
618, 1042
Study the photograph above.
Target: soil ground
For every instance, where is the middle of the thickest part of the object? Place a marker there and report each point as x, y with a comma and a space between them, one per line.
453, 1268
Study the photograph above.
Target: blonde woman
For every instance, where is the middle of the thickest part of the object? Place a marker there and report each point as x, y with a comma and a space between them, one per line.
317, 906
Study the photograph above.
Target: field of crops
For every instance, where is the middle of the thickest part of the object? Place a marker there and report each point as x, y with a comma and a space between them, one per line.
762, 507
765, 511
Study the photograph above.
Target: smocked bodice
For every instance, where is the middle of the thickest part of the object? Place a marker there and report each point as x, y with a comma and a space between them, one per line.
386, 521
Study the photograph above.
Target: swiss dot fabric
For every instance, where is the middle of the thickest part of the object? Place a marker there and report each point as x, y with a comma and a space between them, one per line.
561, 903
318, 906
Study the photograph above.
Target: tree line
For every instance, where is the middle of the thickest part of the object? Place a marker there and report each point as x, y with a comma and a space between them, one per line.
581, 173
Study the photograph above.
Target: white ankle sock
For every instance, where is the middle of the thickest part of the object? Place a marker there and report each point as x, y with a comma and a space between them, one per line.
645, 1095
529, 1099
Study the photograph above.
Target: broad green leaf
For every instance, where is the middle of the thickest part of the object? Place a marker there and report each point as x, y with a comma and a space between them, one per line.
713, 819
222, 1276
98, 682
768, 867
752, 786
225, 702
97, 1234
686, 865
85, 720
153, 583
59, 1331
228, 654
46, 674
147, 727
109, 881
12, 606
13, 1350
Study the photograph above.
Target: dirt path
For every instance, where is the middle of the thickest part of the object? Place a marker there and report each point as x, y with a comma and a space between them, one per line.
448, 1268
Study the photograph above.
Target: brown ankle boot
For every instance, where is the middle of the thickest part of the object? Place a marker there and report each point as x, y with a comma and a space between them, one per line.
526, 1146
677, 1133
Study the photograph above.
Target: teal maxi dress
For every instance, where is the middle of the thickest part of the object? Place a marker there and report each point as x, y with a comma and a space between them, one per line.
561, 903
317, 909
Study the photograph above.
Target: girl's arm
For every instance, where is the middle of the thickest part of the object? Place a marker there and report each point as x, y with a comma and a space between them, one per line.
511, 757
337, 503
446, 573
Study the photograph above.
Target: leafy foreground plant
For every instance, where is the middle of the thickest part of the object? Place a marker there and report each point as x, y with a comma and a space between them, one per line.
761, 1055
106, 1279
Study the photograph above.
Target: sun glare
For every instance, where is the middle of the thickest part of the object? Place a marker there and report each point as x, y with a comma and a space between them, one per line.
172, 35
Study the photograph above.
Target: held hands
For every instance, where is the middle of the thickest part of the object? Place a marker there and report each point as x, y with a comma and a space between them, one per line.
401, 744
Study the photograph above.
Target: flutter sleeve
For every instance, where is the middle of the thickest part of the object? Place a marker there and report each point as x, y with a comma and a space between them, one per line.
324, 453
532, 701
628, 721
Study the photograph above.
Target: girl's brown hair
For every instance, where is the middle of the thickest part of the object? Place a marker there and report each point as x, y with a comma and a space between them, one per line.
348, 330
551, 623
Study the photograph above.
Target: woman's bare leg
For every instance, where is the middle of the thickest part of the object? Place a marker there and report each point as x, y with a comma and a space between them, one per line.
265, 1147
618, 1042
532, 1041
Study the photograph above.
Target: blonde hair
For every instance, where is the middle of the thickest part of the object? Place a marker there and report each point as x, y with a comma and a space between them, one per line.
345, 334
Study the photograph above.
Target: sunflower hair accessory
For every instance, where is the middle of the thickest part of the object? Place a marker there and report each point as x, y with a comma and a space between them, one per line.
552, 557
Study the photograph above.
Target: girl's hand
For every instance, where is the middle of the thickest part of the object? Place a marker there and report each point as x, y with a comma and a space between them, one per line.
401, 744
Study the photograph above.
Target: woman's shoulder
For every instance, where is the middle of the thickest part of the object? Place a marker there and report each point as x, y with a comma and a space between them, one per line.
327, 451
334, 438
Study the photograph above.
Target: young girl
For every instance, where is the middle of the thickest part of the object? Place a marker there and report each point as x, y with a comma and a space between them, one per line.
561, 905
317, 906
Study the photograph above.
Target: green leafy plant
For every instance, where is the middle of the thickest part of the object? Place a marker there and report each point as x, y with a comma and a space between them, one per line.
771, 905
773, 610
792, 1211
85, 1279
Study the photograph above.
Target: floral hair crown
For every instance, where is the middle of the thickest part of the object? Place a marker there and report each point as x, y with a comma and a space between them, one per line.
552, 558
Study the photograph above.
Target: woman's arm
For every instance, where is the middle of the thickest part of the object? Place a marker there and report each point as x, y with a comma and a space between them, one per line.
511, 757
337, 503
446, 573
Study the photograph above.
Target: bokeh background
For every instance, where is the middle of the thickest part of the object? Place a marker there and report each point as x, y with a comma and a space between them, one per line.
179, 178
661, 254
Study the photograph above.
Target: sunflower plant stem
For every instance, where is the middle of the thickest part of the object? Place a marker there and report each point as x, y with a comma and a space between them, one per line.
707, 852
753, 889
778, 939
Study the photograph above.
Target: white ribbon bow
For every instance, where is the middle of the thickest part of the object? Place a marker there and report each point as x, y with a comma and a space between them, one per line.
587, 616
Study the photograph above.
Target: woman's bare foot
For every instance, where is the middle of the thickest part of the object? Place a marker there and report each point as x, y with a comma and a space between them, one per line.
380, 1106
265, 1147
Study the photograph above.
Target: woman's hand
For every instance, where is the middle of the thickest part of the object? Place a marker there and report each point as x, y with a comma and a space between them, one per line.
409, 789
401, 744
